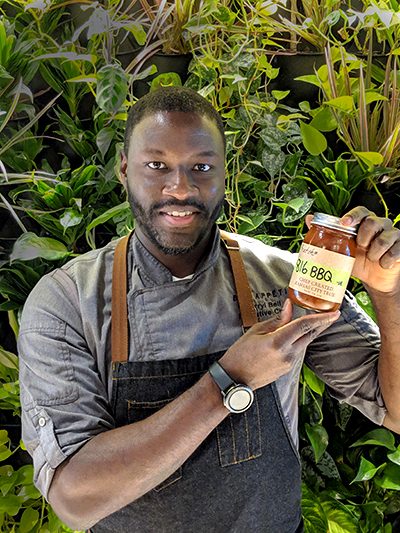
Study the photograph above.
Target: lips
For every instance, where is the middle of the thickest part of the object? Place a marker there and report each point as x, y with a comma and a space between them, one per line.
179, 213
181, 217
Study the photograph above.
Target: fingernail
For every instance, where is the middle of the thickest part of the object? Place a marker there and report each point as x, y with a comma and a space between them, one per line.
347, 220
285, 305
334, 316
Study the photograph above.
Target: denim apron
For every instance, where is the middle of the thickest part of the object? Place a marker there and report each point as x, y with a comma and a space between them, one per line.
244, 477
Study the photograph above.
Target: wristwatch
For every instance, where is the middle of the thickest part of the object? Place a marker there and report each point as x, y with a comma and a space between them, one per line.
236, 396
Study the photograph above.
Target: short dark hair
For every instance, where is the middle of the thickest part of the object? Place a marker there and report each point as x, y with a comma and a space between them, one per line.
172, 98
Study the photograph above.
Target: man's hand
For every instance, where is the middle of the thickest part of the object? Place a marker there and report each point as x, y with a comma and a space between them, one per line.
377, 262
269, 349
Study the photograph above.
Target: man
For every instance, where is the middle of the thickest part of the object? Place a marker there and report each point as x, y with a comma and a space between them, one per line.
148, 445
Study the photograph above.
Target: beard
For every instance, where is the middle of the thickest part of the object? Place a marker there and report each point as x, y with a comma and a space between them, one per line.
166, 242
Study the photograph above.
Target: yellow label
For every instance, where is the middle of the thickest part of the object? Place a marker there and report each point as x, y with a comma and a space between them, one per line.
321, 273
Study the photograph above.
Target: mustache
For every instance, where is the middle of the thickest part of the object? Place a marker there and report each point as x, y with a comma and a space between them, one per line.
179, 203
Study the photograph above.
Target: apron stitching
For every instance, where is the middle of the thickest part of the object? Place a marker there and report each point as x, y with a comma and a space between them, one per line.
162, 376
259, 423
233, 440
247, 434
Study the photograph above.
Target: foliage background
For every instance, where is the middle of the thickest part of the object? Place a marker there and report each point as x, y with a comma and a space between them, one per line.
66, 84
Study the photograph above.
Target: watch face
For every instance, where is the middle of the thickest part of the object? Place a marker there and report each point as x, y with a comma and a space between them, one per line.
239, 398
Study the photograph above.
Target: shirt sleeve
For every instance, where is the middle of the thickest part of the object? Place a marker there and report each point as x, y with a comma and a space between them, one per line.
63, 397
345, 357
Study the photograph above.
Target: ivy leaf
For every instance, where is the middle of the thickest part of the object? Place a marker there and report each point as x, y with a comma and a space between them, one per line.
5, 452
379, 437
112, 88
319, 439
367, 470
10, 504
272, 162
29, 518
390, 477
395, 456
314, 382
313, 140
4, 437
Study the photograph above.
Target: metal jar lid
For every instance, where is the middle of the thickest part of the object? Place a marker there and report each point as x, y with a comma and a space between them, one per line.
333, 222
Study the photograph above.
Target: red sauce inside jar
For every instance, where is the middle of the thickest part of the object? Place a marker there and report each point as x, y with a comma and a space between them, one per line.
324, 265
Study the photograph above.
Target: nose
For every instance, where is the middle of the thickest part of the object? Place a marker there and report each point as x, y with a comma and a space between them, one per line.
180, 185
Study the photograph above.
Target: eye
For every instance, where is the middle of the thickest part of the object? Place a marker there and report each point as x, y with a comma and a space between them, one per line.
202, 167
156, 165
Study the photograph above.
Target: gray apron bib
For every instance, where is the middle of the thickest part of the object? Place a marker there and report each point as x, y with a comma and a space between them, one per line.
244, 477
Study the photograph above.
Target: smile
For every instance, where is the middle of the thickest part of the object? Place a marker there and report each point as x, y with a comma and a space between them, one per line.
179, 214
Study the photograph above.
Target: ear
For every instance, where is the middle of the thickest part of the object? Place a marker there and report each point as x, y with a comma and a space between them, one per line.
123, 168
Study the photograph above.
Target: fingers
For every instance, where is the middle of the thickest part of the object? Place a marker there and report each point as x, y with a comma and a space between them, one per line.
308, 220
268, 326
299, 333
376, 236
385, 248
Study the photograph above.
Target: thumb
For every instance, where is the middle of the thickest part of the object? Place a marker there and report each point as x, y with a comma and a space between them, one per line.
268, 326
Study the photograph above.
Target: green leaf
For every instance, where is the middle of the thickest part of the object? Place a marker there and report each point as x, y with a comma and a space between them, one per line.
314, 142
166, 80
342, 103
5, 453
250, 223
390, 477
10, 504
367, 470
370, 158
70, 218
324, 120
379, 437
314, 382
319, 439
112, 88
272, 162
365, 302
340, 519
28, 519
108, 214
8, 359
30, 246
144, 74
280, 95
395, 456
4, 437
104, 139
313, 514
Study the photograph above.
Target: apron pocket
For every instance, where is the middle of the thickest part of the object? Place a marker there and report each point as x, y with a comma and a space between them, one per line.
239, 436
139, 411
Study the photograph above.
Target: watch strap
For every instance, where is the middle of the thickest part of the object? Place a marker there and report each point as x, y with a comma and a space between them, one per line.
220, 377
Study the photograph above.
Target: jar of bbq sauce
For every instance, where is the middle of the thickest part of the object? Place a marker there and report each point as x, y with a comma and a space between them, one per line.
324, 265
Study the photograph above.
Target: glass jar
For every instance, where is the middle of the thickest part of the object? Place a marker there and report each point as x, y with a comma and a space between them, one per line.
324, 265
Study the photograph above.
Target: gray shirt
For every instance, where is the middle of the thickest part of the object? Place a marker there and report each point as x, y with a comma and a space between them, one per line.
65, 343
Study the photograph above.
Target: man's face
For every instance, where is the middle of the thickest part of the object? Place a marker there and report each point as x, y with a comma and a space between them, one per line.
174, 176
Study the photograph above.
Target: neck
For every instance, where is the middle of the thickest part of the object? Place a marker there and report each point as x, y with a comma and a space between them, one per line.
181, 265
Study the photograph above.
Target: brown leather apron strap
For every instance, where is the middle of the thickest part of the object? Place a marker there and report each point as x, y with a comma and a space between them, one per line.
245, 298
119, 307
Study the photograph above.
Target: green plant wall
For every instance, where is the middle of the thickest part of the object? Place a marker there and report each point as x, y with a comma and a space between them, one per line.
62, 116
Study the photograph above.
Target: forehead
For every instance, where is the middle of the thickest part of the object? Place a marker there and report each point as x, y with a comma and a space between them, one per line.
172, 130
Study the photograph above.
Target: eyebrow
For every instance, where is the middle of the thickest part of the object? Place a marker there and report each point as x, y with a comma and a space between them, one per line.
157, 151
